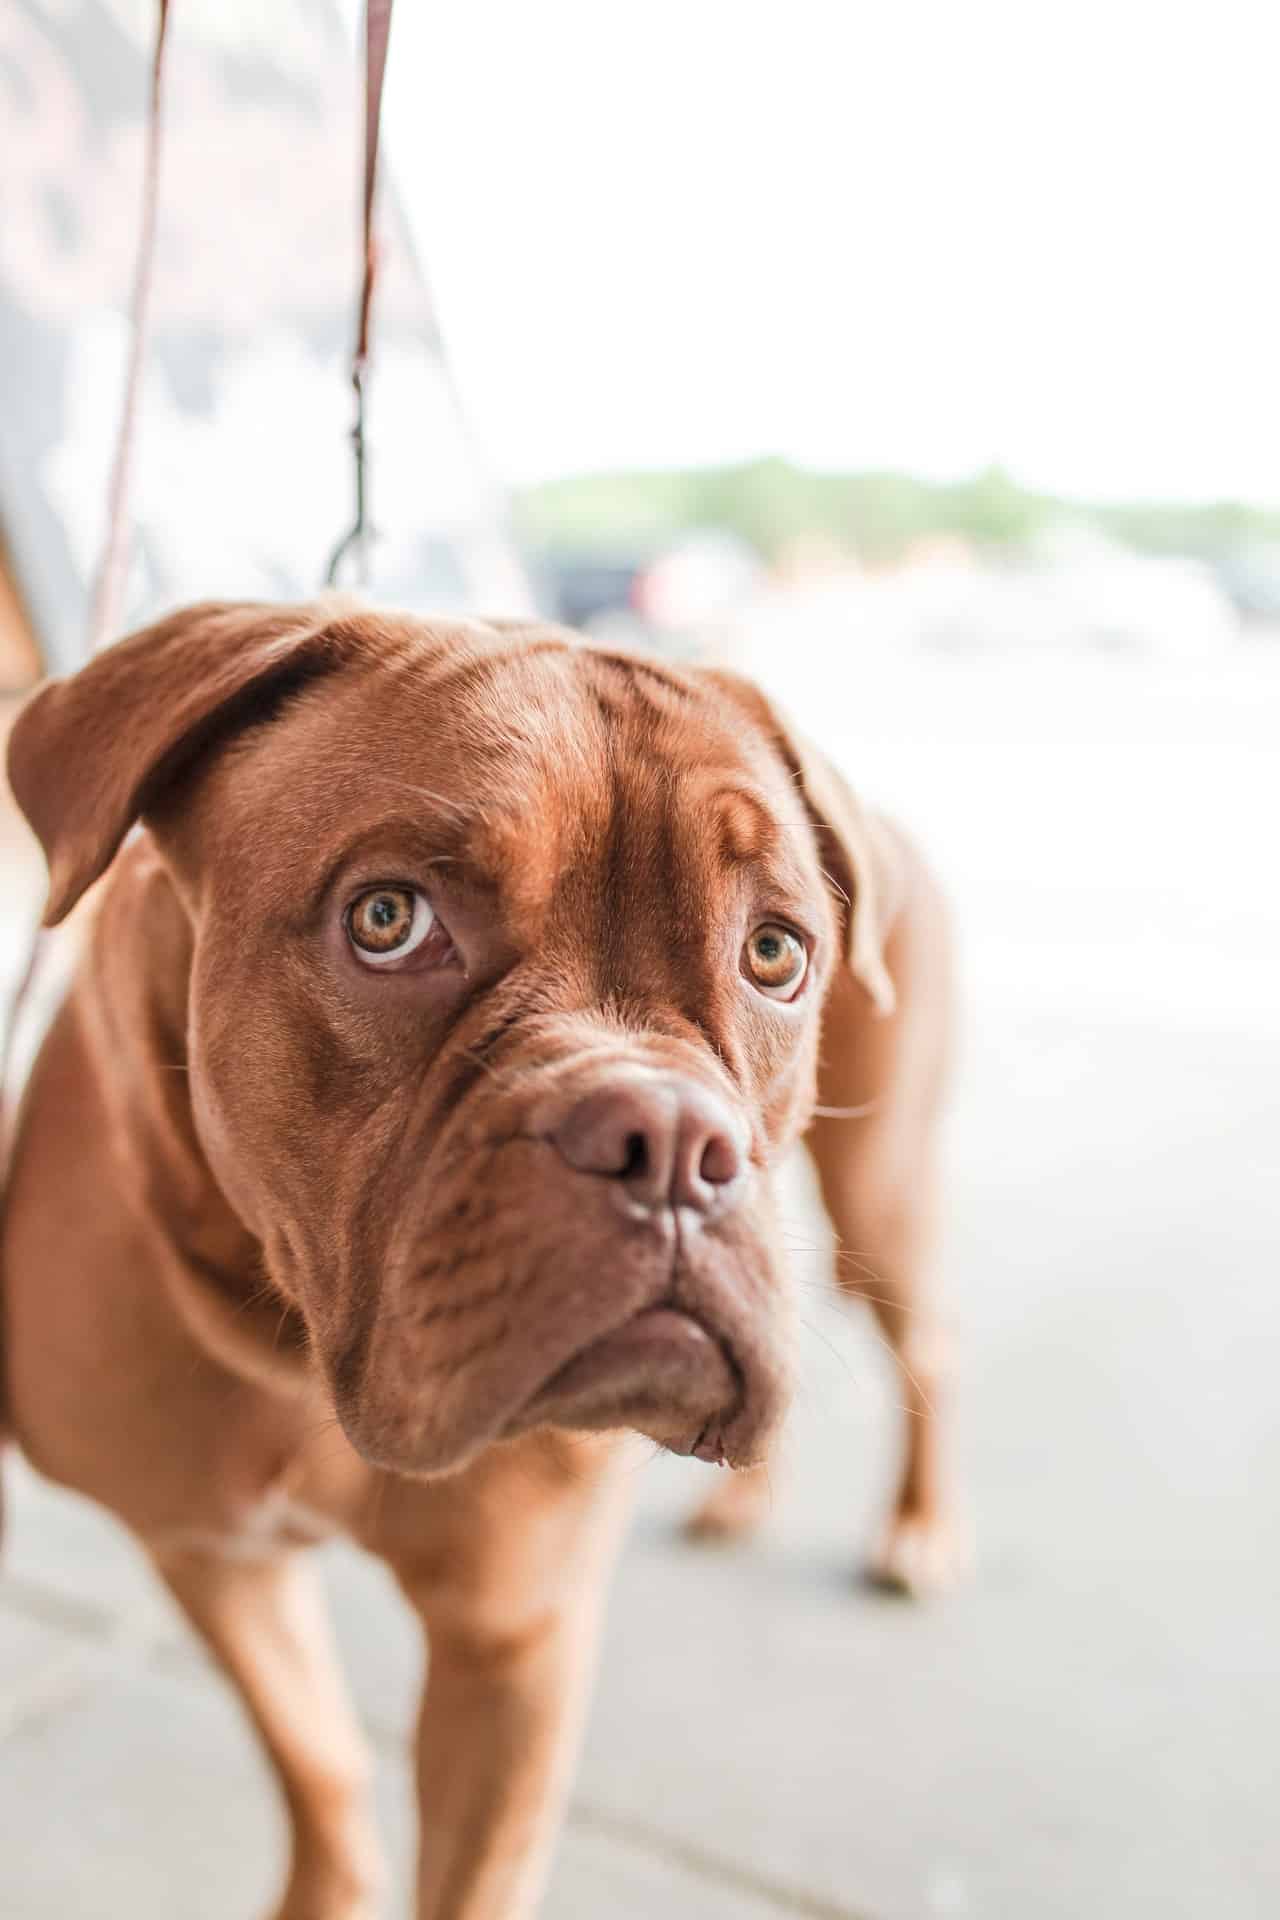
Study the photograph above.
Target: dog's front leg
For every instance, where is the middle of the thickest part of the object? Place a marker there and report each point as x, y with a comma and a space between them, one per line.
496, 1744
265, 1623
511, 1617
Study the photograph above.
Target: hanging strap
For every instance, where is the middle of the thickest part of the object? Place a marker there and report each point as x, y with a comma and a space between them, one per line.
107, 601
107, 594
377, 33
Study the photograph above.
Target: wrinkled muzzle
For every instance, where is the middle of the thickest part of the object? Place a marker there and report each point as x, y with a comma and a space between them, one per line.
590, 1245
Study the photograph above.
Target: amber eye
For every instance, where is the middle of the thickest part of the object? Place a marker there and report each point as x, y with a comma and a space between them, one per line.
775, 961
386, 923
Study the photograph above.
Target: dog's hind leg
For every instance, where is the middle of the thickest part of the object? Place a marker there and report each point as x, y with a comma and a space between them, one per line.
884, 1244
734, 1508
264, 1621
874, 1143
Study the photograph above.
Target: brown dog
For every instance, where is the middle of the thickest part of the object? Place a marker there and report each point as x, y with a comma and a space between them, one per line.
407, 1133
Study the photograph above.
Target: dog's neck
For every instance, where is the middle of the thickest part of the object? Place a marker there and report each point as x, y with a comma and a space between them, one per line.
132, 993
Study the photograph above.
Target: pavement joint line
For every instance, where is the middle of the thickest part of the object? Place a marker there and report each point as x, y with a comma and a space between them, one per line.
704, 1864
54, 1606
103, 1636
77, 1669
61, 1682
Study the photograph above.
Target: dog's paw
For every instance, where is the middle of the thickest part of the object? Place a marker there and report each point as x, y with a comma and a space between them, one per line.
920, 1555
319, 1907
733, 1509
330, 1897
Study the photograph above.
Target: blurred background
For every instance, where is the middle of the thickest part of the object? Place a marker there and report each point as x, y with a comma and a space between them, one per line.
920, 361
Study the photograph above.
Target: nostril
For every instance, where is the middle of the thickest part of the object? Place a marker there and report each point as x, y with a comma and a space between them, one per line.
635, 1162
721, 1160
625, 1132
664, 1142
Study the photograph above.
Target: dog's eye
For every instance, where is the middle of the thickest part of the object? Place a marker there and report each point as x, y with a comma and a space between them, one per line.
386, 923
775, 961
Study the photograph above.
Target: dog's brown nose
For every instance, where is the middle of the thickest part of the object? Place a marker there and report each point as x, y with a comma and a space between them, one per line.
666, 1141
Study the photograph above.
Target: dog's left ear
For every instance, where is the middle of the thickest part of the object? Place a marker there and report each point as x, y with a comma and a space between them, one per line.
854, 854
89, 754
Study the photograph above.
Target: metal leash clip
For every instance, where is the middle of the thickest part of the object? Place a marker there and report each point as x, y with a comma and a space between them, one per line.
360, 535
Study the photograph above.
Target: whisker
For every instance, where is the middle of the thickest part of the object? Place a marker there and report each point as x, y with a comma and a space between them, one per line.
441, 800
912, 1413
831, 1348
899, 1360
821, 1289
845, 1256
836, 888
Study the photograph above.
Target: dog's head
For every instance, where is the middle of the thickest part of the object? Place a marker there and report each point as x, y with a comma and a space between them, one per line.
509, 956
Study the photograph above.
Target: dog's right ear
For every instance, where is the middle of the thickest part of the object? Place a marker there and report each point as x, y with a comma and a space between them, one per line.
87, 755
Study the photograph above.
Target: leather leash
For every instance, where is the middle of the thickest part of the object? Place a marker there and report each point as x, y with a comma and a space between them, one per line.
113, 565
377, 33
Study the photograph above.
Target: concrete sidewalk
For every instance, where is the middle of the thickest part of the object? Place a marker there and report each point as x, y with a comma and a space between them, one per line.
1088, 1730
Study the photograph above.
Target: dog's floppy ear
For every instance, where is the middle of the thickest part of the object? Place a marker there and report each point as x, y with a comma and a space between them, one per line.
852, 849
87, 755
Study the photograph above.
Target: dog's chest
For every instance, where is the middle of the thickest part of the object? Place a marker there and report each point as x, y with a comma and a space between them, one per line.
320, 1491
258, 1530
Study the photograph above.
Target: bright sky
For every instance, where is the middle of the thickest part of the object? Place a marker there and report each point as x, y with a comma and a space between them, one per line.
858, 233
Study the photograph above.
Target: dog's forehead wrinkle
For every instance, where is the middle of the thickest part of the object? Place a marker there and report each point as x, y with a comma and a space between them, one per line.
632, 828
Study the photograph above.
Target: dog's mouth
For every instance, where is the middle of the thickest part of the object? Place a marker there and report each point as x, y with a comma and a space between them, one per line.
659, 1328
663, 1372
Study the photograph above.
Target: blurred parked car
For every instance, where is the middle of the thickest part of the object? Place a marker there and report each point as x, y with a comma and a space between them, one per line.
580, 588
1110, 596
665, 593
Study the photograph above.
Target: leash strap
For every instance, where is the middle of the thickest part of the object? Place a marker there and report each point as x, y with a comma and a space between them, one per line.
108, 592
377, 33
106, 598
